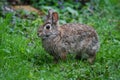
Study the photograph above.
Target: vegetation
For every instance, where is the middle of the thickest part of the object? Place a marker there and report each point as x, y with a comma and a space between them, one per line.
23, 58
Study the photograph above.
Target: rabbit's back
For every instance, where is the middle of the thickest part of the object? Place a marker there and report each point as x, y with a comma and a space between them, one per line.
78, 38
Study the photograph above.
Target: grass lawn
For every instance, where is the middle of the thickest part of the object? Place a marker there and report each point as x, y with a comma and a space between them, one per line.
23, 58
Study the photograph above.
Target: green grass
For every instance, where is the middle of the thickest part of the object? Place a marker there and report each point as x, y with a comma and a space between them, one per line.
23, 58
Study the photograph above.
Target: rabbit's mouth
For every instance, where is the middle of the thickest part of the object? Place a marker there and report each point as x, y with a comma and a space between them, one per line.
45, 37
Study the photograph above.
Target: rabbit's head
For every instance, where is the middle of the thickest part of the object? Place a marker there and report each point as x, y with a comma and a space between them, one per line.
50, 27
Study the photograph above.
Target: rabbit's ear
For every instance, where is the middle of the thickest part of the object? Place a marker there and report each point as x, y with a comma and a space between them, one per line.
55, 17
50, 11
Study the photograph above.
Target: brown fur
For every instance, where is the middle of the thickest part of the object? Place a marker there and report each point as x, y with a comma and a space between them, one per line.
75, 38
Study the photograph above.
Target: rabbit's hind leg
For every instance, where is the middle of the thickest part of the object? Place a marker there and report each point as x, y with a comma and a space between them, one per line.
61, 56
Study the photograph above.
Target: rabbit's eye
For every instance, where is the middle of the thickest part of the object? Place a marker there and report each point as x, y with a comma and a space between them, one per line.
48, 27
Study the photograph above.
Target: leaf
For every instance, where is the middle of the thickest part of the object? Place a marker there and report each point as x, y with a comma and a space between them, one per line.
46, 7
72, 11
6, 51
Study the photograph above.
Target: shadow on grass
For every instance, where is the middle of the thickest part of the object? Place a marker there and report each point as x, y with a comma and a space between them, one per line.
40, 59
43, 59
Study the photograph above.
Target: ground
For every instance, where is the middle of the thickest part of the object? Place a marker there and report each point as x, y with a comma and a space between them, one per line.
23, 58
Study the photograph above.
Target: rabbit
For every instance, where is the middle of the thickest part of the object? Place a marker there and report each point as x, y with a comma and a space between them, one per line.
75, 38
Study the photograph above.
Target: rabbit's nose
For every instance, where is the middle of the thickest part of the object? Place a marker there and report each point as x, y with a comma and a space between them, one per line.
39, 32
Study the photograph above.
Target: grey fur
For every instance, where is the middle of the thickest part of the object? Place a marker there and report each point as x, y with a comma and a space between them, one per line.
75, 38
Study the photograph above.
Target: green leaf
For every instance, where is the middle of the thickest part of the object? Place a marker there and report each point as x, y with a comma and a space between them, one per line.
72, 11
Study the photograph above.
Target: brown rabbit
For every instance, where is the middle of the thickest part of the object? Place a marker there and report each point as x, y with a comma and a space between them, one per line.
75, 38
